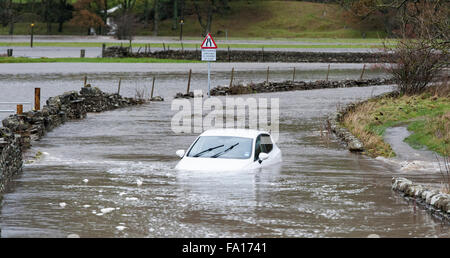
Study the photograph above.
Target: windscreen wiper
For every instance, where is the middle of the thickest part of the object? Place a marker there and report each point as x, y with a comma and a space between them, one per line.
208, 150
223, 152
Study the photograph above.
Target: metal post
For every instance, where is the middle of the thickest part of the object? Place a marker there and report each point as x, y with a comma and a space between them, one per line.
31, 38
37, 99
209, 79
181, 29
267, 80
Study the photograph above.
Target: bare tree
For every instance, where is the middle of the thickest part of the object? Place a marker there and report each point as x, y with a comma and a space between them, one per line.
126, 26
207, 8
415, 62
155, 17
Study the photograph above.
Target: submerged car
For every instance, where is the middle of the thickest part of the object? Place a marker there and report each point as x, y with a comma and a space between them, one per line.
229, 149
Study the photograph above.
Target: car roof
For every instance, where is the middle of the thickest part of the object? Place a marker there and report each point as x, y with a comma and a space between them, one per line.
249, 133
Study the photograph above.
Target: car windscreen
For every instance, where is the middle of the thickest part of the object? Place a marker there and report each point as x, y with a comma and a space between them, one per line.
224, 147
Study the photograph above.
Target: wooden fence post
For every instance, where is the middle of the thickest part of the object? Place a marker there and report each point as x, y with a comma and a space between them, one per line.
82, 53
103, 49
19, 109
267, 80
328, 72
153, 86
293, 75
263, 54
37, 99
232, 77
118, 89
189, 81
362, 73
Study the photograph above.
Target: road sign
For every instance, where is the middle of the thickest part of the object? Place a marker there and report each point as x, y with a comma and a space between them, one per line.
208, 42
208, 55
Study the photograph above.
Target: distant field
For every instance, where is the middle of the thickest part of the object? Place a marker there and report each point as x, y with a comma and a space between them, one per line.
267, 19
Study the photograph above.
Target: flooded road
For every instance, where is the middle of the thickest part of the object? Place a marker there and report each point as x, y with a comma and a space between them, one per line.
111, 174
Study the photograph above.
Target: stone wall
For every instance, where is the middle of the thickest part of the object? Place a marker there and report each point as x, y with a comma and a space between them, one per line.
19, 131
294, 85
254, 56
433, 199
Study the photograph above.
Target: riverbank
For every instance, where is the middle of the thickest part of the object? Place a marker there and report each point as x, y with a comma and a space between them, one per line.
20, 130
427, 116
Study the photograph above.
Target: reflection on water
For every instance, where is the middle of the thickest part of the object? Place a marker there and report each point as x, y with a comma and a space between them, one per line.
128, 155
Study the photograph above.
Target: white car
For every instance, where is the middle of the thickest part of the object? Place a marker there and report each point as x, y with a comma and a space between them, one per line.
229, 150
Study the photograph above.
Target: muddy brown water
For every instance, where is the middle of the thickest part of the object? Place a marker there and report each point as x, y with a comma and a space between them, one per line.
320, 190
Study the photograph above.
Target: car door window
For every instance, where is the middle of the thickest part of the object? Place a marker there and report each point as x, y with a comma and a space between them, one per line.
257, 147
266, 143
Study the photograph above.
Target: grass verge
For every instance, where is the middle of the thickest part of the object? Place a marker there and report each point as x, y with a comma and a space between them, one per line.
90, 60
427, 114
189, 45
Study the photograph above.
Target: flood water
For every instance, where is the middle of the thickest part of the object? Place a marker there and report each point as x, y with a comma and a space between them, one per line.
320, 190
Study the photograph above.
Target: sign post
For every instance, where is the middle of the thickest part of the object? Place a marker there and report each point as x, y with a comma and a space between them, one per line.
209, 54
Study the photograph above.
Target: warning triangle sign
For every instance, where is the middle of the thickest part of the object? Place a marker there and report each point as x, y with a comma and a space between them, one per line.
208, 42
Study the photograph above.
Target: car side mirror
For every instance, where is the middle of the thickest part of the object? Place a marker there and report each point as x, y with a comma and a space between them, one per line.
262, 156
180, 153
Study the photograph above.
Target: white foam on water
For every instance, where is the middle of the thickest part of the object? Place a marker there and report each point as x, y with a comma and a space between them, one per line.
417, 165
62, 204
107, 210
120, 228
131, 199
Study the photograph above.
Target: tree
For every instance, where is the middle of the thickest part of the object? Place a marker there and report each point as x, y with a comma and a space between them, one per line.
207, 8
63, 13
86, 14
126, 26
155, 17
415, 62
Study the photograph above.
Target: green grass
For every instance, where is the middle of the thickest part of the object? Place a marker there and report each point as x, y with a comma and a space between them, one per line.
178, 45
277, 19
90, 60
428, 118
246, 19
432, 133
